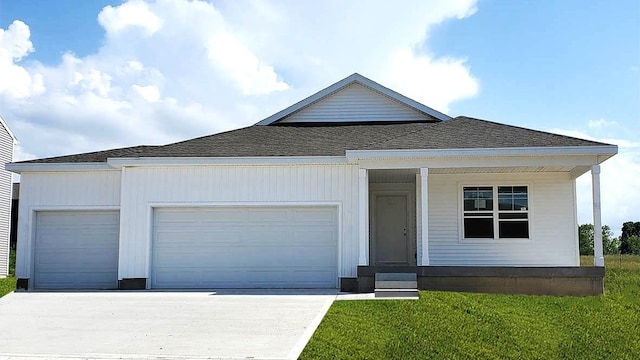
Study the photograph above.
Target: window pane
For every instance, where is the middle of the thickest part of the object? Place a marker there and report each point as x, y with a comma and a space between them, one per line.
514, 229
478, 228
520, 190
513, 198
520, 202
505, 202
478, 198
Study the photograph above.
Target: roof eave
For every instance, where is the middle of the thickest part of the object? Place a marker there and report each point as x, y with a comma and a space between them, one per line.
20, 168
240, 160
601, 152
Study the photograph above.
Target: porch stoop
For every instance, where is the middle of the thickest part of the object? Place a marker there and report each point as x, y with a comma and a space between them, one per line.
396, 286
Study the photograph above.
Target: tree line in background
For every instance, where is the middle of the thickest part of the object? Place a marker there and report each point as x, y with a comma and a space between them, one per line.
627, 243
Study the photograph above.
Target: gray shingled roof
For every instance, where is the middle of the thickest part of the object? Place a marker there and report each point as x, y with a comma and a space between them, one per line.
334, 139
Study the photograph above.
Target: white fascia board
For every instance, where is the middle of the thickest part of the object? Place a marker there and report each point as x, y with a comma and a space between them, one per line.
186, 161
602, 152
19, 168
354, 78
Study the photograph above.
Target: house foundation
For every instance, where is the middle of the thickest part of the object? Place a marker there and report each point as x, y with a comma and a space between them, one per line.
559, 281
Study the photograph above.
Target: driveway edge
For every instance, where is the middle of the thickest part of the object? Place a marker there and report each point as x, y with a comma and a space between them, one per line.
308, 333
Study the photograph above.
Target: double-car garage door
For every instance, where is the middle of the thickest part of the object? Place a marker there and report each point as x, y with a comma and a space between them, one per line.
210, 247
245, 247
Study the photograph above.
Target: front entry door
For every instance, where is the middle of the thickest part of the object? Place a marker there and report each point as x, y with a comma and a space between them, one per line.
391, 228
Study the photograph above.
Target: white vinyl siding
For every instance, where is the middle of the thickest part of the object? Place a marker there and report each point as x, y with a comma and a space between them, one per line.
76, 250
552, 239
355, 103
245, 247
6, 156
60, 191
308, 185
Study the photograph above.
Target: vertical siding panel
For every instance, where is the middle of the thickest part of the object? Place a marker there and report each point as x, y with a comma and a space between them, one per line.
141, 186
237, 183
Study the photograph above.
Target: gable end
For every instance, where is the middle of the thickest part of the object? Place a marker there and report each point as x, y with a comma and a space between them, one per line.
356, 103
355, 99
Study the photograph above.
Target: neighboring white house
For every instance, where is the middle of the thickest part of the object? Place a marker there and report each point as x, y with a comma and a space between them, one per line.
7, 142
354, 180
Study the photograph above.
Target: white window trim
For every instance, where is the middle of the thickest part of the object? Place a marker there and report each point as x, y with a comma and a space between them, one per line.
496, 239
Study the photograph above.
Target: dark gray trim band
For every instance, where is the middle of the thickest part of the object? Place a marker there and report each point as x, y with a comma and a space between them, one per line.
348, 284
132, 284
22, 284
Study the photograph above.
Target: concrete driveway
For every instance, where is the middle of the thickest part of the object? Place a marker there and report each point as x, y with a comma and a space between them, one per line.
167, 325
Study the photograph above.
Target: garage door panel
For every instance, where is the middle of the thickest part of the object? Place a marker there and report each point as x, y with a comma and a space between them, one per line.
315, 216
245, 247
76, 250
248, 277
86, 280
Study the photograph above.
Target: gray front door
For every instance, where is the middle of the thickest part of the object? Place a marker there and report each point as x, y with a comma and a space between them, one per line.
391, 230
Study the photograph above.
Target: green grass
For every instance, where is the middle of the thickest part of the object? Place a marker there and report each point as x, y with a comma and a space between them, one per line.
450, 325
8, 284
12, 262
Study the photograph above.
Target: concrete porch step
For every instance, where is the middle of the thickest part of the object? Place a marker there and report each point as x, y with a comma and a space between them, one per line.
397, 293
396, 276
396, 284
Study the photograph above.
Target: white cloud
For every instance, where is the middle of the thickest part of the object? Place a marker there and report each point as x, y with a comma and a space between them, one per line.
149, 92
134, 13
601, 123
234, 59
437, 82
15, 81
15, 40
174, 69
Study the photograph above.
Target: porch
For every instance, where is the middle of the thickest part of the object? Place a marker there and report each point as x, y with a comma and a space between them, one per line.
395, 236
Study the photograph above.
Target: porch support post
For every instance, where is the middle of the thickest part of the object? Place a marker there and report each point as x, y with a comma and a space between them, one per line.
424, 214
598, 258
363, 217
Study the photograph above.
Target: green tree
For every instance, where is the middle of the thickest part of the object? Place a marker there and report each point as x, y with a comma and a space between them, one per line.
634, 244
629, 230
585, 239
610, 243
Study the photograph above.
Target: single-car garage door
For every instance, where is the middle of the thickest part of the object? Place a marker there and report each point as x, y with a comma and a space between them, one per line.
245, 247
76, 250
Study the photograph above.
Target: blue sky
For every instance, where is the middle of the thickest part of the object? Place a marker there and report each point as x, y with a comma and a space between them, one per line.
88, 75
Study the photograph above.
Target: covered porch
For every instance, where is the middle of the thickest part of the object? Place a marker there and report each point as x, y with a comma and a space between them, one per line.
396, 204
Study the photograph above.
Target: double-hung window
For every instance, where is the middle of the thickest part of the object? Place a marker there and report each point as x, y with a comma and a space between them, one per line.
495, 212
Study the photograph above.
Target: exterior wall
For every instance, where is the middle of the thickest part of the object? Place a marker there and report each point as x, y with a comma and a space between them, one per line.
552, 223
60, 191
6, 155
355, 103
143, 188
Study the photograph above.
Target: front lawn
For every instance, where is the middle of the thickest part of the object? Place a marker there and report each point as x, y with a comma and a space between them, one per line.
451, 325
